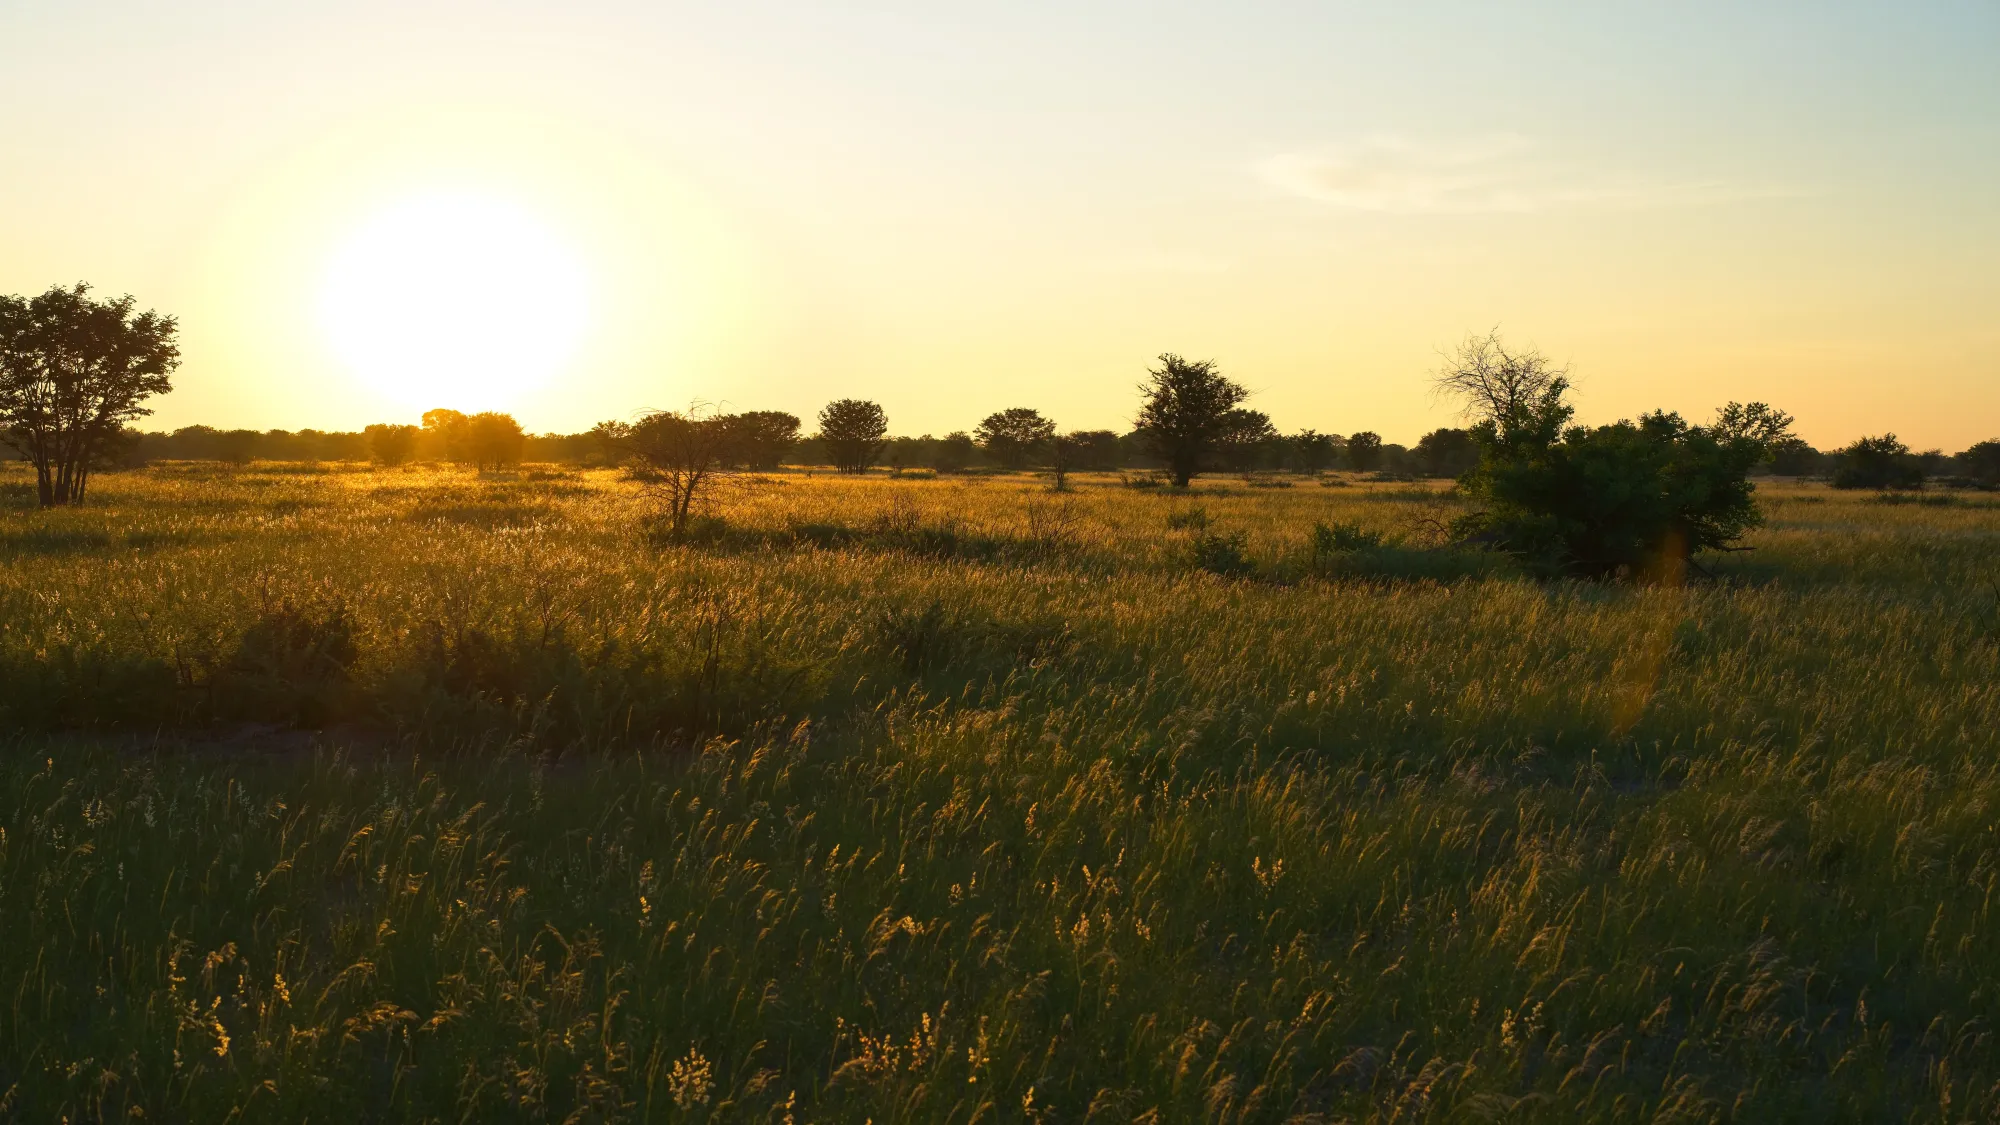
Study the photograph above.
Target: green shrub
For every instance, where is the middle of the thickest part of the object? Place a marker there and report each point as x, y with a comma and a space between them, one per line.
1344, 537
1221, 553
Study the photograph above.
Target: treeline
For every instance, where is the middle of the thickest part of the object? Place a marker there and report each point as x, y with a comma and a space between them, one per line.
1876, 462
205, 443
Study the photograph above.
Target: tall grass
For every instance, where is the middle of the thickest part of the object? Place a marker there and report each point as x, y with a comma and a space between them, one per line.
415, 796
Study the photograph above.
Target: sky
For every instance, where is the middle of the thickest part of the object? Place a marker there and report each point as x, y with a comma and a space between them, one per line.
578, 211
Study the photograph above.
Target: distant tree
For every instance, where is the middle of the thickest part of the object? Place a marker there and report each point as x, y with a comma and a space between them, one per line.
1012, 436
1446, 452
1763, 424
1364, 451
1792, 457
493, 440
1062, 460
953, 452
1878, 462
852, 430
1184, 418
390, 445
1246, 441
237, 447
1981, 463
73, 372
759, 439
1313, 452
447, 430
1094, 450
676, 456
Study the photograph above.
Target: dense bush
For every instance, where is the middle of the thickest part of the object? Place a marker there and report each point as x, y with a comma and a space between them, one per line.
1631, 499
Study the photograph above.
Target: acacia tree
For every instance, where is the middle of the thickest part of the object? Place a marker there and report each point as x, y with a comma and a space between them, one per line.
1313, 451
853, 430
1011, 436
759, 439
1186, 415
677, 456
494, 439
1364, 451
73, 372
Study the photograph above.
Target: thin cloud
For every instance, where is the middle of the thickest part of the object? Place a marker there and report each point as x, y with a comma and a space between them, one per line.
1499, 172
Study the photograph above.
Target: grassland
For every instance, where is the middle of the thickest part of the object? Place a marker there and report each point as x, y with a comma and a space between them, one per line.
341, 795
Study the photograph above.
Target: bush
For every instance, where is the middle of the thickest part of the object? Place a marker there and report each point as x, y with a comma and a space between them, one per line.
1878, 462
1221, 553
1344, 537
1632, 499
291, 667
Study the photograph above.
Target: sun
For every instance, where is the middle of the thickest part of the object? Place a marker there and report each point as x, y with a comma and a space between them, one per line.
456, 300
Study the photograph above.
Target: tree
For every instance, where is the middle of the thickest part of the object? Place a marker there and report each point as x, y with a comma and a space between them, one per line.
73, 372
1313, 452
1012, 436
390, 445
852, 430
493, 439
1792, 457
953, 452
1982, 463
677, 456
1093, 450
1633, 499
1447, 452
237, 447
1364, 451
759, 439
1878, 462
1185, 416
1509, 389
447, 431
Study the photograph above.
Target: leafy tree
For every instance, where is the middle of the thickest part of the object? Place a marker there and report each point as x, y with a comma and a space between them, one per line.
1185, 417
1982, 463
447, 432
1878, 462
1792, 457
493, 439
73, 372
1637, 499
759, 439
391, 445
953, 452
852, 430
1094, 450
1313, 452
1364, 451
677, 456
1247, 437
1014, 435
1447, 452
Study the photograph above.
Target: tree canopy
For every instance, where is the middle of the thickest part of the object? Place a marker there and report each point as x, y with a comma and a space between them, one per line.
1185, 416
1014, 435
73, 372
853, 430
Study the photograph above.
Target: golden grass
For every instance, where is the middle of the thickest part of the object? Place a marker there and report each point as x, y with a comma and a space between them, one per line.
956, 800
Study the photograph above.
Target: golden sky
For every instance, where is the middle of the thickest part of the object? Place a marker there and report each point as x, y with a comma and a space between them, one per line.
576, 211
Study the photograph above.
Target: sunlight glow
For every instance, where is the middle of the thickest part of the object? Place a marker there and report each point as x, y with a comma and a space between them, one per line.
455, 300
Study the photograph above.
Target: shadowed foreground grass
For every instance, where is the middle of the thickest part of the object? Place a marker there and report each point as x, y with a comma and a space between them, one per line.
414, 796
